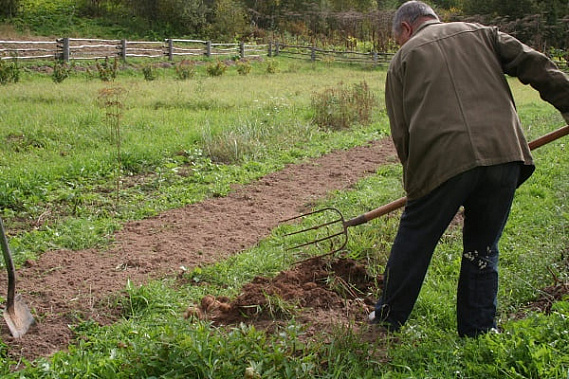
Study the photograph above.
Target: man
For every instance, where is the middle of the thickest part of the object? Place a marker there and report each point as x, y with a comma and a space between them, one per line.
460, 141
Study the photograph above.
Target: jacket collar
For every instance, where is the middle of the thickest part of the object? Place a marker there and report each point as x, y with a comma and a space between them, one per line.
424, 25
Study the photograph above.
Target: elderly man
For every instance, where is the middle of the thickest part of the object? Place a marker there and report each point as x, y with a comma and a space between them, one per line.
458, 136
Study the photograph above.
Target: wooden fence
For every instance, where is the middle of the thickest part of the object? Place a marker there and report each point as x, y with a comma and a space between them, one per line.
316, 54
75, 49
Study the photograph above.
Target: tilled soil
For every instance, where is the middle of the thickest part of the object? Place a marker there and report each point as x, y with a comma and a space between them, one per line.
63, 285
323, 293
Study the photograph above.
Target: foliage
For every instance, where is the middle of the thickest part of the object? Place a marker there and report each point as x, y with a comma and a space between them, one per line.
106, 70
61, 71
9, 72
216, 68
272, 66
339, 108
9, 8
149, 72
185, 69
243, 67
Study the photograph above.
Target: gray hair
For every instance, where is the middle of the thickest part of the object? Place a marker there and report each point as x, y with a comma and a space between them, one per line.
410, 12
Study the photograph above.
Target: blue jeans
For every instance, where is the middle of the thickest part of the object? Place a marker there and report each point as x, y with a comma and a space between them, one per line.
486, 194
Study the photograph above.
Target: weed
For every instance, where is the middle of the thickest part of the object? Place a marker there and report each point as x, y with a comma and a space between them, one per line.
9, 73
279, 308
112, 102
61, 71
108, 71
149, 72
272, 66
340, 108
216, 69
185, 69
243, 67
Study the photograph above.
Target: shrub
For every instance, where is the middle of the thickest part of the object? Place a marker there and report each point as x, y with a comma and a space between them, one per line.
243, 67
185, 70
61, 72
339, 108
149, 72
272, 66
216, 69
107, 71
9, 73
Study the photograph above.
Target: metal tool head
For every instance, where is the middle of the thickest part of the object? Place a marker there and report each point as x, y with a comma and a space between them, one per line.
18, 317
331, 232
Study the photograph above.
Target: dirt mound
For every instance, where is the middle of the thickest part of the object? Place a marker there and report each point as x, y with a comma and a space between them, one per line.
338, 288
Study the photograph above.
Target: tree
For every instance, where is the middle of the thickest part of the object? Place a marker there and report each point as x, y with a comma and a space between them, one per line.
9, 8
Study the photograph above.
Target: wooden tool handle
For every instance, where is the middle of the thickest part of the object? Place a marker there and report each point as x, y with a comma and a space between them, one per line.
377, 212
387, 208
549, 137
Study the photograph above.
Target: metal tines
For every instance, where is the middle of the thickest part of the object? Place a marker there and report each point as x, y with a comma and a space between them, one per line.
334, 231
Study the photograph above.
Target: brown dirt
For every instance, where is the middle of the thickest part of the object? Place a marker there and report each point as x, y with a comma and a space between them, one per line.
64, 286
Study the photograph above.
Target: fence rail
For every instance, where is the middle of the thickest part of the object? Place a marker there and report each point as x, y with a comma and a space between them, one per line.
76, 49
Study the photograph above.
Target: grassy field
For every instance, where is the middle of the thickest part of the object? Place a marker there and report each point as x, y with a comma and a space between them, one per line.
63, 186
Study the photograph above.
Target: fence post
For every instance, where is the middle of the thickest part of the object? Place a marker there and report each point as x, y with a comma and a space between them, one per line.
170, 49
123, 49
242, 49
208, 49
277, 48
375, 58
64, 56
313, 54
270, 53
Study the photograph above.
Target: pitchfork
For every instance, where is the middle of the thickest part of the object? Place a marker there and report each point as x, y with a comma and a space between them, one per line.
339, 237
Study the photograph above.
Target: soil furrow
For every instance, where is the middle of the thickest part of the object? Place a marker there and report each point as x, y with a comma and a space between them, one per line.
63, 284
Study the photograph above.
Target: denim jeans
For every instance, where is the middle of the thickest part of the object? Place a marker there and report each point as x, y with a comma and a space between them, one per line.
486, 193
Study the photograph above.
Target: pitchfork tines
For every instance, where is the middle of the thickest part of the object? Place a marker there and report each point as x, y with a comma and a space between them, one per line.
339, 237
320, 233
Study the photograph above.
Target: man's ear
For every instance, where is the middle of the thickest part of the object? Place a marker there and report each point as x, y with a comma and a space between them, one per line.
406, 29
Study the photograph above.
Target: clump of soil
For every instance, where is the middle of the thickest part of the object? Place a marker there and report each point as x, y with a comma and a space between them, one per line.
316, 292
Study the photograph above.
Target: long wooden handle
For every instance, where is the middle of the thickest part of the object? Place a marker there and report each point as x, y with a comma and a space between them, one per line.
394, 205
563, 131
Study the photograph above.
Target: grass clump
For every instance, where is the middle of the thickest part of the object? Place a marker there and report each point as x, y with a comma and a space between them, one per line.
9, 72
340, 108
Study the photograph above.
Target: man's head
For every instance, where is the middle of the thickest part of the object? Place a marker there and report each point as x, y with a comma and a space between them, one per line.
409, 17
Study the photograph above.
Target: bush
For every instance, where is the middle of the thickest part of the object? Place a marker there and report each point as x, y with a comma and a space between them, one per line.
149, 72
272, 66
216, 69
185, 69
9, 73
339, 108
61, 72
107, 71
243, 67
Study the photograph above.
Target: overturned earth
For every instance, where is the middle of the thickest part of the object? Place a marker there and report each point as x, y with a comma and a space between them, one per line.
63, 286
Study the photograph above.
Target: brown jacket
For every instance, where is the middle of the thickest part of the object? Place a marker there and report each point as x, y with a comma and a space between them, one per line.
450, 106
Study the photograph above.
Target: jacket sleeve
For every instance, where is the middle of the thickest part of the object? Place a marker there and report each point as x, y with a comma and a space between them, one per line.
533, 68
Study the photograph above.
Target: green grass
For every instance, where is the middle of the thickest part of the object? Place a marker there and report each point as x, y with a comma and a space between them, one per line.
180, 141
167, 125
